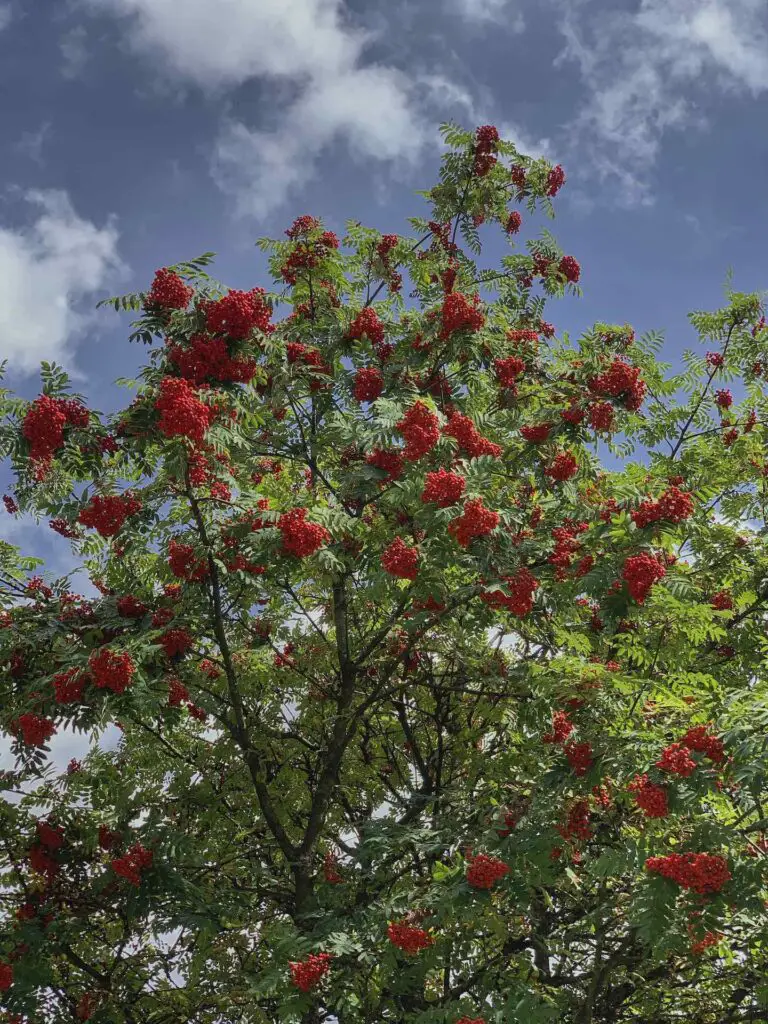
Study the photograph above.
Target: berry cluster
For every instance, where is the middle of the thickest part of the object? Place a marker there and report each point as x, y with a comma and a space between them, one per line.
475, 521
443, 488
182, 414
579, 757
555, 180
485, 871
702, 872
722, 601
521, 589
10, 505
35, 729
401, 560
460, 314
390, 462
484, 152
408, 937
300, 538
469, 438
508, 370
514, 223
562, 727
132, 863
305, 974
640, 573
107, 513
650, 798
367, 324
699, 738
600, 416
673, 506
185, 564
536, 433
577, 825
421, 430
6, 977
43, 427
238, 313
111, 670
369, 384
168, 291
562, 467
68, 686
130, 607
620, 381
723, 399
331, 872
205, 359
176, 642
570, 269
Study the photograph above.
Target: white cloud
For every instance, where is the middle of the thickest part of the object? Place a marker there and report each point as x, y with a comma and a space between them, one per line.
46, 270
73, 46
490, 11
338, 97
31, 143
650, 71
5, 16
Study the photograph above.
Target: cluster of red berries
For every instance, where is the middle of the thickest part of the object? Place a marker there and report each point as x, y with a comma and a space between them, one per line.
132, 863
650, 798
308, 254
700, 739
722, 601
185, 564
562, 727
485, 871
579, 757
563, 467
702, 872
723, 399
182, 414
567, 543
536, 433
621, 381
570, 269
443, 488
130, 607
677, 760
460, 314
384, 247
369, 384
673, 506
63, 528
521, 589
305, 974
238, 313
43, 427
367, 324
68, 686
514, 223
204, 359
35, 729
555, 180
600, 416
475, 521
401, 560
705, 942
470, 440
390, 462
6, 977
508, 370
484, 153
168, 291
111, 670
640, 573
420, 429
715, 360
577, 825
10, 505
176, 642
331, 872
107, 513
408, 937
299, 537
177, 692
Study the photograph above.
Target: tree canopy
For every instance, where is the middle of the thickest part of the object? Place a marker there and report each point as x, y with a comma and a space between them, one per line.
436, 638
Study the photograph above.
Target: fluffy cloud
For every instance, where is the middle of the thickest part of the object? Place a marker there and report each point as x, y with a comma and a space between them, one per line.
646, 72
5, 16
46, 270
339, 97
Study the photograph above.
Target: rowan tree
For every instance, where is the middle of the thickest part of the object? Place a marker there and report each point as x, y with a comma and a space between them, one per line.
436, 639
